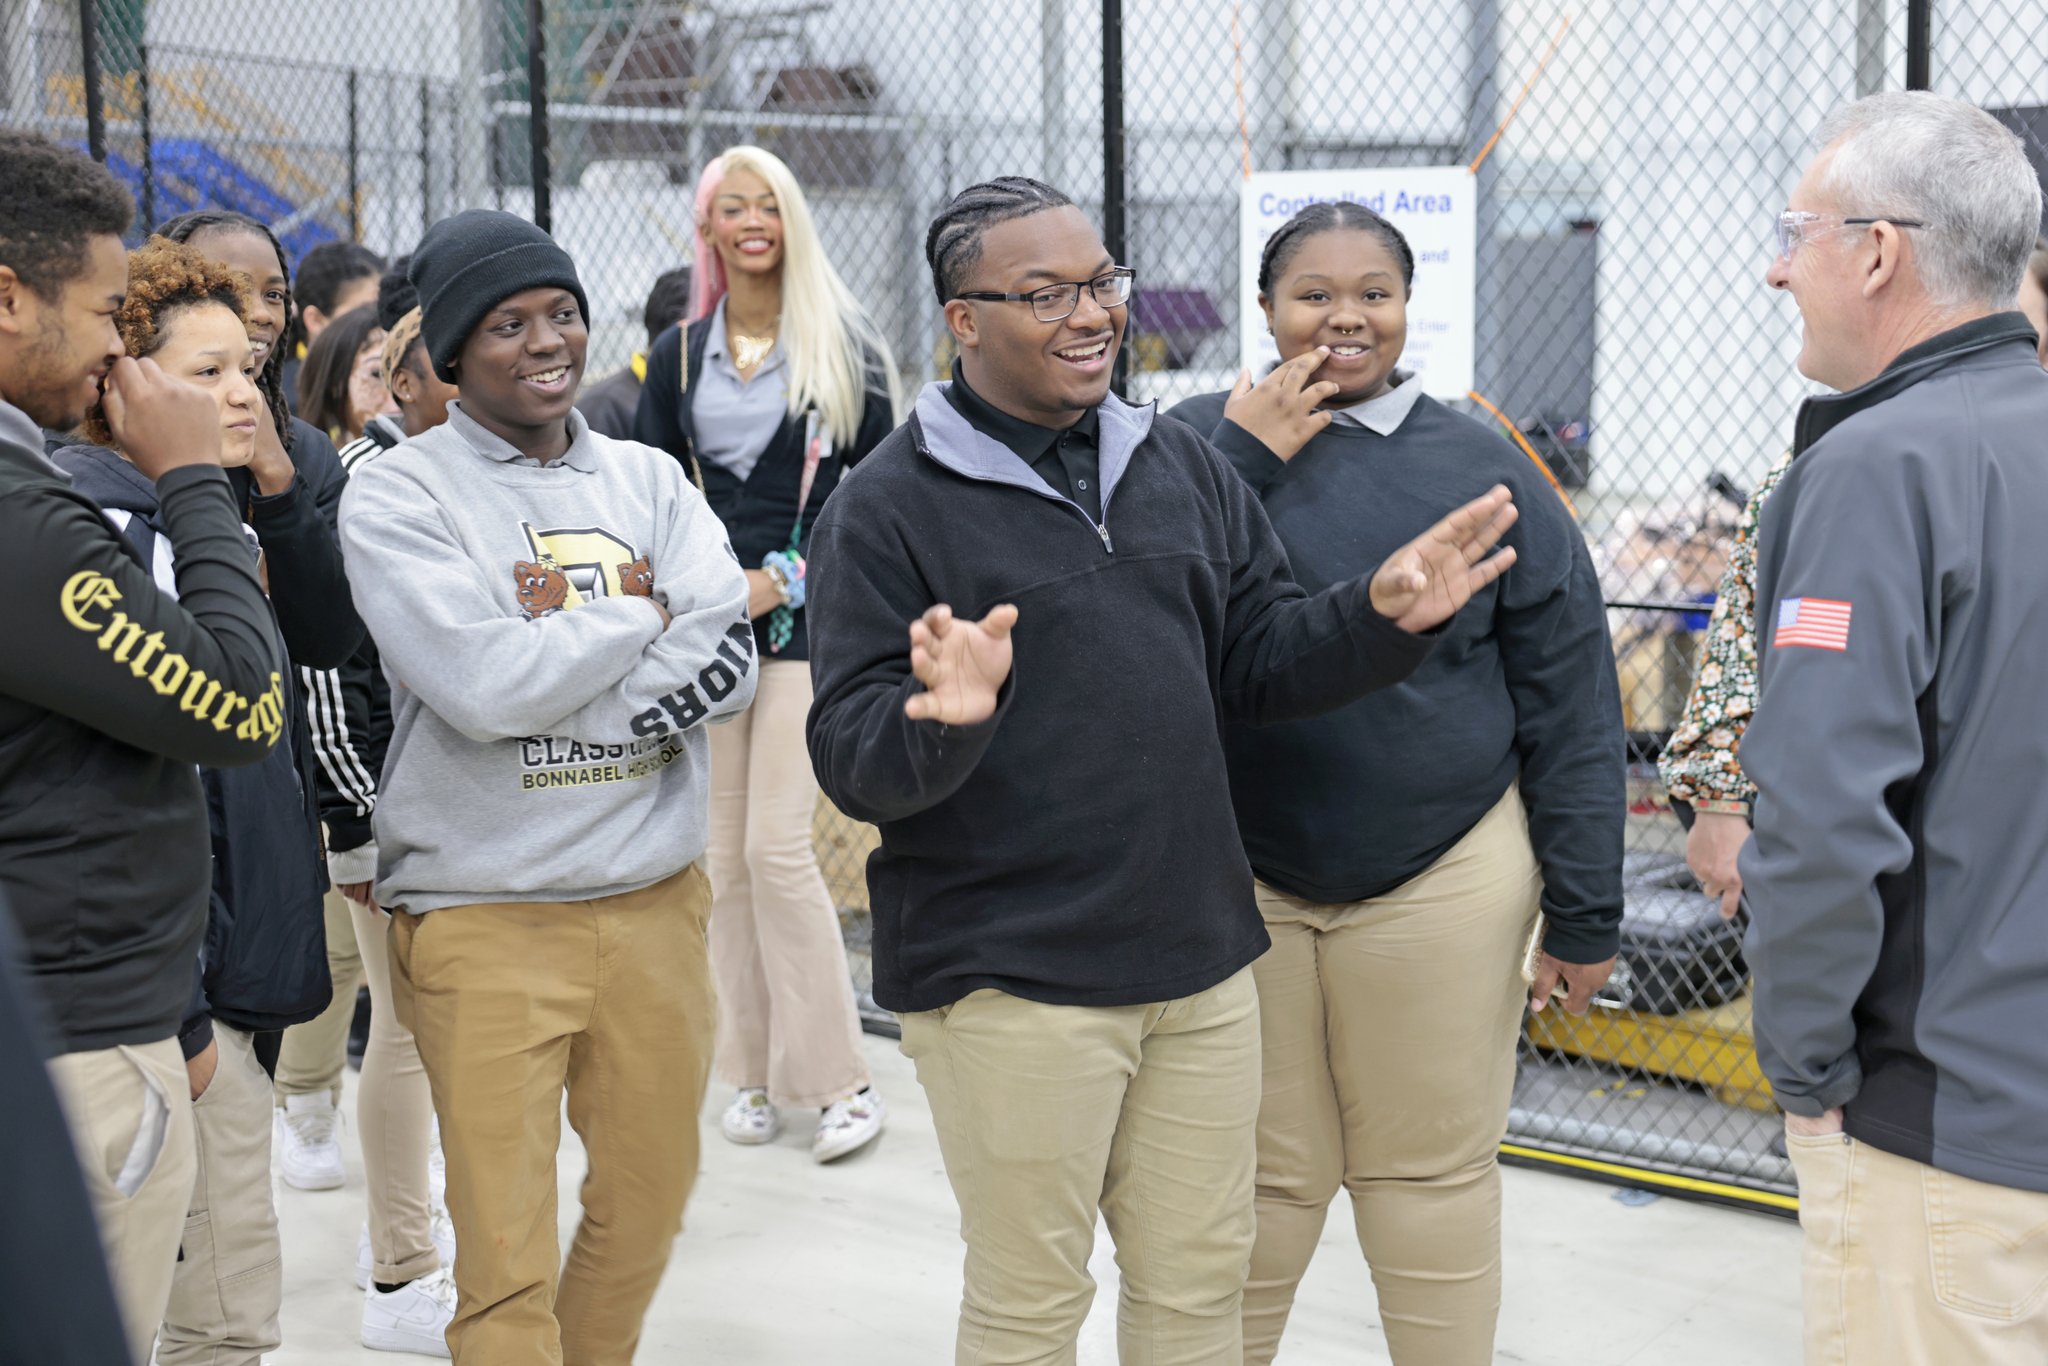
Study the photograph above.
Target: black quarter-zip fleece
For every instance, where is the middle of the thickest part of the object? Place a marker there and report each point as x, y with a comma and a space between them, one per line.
1068, 459
1079, 846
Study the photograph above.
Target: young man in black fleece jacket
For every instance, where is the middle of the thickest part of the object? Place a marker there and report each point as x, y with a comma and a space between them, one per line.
1063, 913
110, 693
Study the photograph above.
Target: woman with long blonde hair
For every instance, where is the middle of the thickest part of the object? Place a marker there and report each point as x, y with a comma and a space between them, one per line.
777, 386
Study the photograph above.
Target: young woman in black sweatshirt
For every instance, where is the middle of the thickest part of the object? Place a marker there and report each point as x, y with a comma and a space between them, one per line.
1403, 843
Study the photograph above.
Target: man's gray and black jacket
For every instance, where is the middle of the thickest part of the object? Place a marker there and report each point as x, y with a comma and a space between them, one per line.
110, 694
1078, 847
263, 963
1898, 890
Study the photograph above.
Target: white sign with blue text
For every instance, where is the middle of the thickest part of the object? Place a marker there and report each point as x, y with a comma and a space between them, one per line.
1433, 206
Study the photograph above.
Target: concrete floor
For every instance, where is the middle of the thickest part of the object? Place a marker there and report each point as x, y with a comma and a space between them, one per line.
785, 1263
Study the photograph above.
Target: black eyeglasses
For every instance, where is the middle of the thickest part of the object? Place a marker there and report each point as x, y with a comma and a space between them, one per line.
1050, 303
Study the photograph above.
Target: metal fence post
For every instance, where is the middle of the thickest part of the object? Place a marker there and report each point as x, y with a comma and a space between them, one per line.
148, 141
355, 226
537, 113
89, 63
1052, 89
1869, 47
426, 157
1113, 187
1483, 98
1919, 44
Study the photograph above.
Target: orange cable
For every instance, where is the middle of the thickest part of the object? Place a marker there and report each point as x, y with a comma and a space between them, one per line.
1516, 107
1244, 136
1527, 450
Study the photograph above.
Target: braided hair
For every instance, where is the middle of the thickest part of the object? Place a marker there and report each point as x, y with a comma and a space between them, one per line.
1288, 238
271, 381
952, 245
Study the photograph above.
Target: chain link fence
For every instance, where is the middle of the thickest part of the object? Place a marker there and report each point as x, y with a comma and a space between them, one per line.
1620, 329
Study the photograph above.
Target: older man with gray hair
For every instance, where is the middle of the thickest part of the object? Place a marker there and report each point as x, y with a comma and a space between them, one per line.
1898, 877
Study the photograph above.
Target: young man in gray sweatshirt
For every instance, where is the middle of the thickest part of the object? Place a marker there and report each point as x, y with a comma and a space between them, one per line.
558, 614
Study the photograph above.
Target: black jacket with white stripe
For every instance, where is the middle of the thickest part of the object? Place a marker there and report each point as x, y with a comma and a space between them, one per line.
349, 712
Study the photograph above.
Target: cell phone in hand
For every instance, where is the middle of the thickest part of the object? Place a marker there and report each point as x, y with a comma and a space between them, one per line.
1532, 958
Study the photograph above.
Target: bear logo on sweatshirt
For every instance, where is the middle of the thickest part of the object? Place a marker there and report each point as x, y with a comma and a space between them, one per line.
542, 589
637, 578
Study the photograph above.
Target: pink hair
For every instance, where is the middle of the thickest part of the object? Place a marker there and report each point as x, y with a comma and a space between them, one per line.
707, 279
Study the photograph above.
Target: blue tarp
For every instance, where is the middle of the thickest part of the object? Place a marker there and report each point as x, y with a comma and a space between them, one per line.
191, 174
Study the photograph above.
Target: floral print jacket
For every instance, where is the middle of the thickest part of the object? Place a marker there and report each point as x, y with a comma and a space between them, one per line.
1699, 762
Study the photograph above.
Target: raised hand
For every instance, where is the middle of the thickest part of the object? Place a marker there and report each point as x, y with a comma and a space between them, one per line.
267, 458
1280, 409
1431, 577
962, 665
158, 421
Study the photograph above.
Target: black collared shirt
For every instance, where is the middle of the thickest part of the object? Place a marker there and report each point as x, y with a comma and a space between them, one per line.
1068, 460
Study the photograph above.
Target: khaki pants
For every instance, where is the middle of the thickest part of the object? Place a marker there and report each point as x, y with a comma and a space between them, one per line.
1047, 1113
786, 1018
511, 1003
315, 1054
130, 1112
230, 1277
394, 1120
1908, 1265
1389, 1030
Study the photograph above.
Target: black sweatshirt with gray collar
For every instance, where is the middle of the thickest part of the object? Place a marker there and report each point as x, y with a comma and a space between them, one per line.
1079, 846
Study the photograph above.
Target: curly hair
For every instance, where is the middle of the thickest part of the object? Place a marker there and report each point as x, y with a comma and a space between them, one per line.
165, 278
188, 225
53, 201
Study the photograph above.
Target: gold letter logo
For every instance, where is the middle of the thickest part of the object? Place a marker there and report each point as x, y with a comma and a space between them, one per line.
87, 588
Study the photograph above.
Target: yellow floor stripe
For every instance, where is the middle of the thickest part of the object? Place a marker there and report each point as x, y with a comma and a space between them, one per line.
1650, 1178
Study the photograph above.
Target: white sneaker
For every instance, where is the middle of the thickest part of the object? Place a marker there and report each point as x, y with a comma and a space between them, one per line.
750, 1118
442, 1230
309, 1142
412, 1318
848, 1124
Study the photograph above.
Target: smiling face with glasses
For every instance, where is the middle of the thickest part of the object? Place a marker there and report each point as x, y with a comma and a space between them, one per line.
1853, 276
1040, 330
1796, 226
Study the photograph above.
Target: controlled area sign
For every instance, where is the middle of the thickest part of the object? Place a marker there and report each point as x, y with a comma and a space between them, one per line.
1435, 209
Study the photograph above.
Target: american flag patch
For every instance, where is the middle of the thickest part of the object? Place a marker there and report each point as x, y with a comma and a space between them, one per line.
1812, 621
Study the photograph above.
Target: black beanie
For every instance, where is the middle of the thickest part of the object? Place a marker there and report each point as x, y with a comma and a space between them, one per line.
469, 263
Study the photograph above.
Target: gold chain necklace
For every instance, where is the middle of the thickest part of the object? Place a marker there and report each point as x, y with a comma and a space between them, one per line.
748, 352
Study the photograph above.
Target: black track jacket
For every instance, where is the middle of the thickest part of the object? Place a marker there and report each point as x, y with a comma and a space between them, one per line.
110, 693
1079, 846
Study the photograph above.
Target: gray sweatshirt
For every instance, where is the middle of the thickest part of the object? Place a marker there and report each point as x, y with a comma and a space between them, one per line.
547, 738
1899, 897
